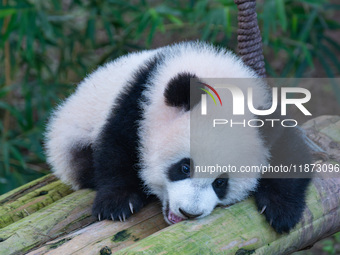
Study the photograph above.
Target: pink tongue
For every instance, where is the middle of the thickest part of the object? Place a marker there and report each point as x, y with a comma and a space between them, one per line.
174, 218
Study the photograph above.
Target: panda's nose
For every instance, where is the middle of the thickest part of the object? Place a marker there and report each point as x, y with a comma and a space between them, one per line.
189, 215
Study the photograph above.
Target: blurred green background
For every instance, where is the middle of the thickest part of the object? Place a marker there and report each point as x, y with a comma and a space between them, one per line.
47, 47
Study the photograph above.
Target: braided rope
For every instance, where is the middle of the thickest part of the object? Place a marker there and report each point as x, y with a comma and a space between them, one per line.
249, 36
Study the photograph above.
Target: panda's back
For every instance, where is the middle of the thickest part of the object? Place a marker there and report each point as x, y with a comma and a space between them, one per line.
76, 123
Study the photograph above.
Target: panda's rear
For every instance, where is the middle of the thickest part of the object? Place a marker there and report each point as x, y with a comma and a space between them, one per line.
75, 124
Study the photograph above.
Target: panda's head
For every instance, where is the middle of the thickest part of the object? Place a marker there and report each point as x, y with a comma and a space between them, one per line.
167, 158
169, 161
187, 197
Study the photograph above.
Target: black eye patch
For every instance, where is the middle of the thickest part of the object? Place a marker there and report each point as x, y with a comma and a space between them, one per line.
180, 170
220, 186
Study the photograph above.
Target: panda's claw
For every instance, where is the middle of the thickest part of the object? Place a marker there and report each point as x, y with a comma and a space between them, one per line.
131, 207
109, 205
263, 209
99, 217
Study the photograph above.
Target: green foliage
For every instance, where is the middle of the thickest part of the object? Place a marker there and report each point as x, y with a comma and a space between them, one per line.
301, 29
331, 245
54, 44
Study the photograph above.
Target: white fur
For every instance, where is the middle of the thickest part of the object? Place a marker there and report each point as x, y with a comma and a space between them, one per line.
79, 119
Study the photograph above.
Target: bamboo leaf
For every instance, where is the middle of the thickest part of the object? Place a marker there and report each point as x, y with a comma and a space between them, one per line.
308, 26
332, 42
17, 155
5, 157
307, 55
300, 70
331, 55
282, 13
175, 20
18, 116
108, 29
155, 24
91, 27
4, 12
295, 24
144, 20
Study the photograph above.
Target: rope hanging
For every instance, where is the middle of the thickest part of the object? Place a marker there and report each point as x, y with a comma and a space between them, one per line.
249, 36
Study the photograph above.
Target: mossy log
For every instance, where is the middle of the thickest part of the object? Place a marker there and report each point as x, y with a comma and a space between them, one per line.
107, 235
65, 215
30, 198
240, 229
66, 227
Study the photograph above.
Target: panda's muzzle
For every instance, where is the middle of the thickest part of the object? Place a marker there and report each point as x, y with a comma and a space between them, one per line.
189, 215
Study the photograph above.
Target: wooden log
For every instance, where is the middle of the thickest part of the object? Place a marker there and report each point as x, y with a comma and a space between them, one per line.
30, 198
16, 193
59, 218
107, 235
238, 229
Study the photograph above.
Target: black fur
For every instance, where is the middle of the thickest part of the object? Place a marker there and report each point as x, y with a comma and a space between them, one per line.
175, 172
283, 199
116, 157
177, 92
220, 186
82, 158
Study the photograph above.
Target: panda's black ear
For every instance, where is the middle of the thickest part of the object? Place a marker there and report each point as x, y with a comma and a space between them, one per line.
177, 92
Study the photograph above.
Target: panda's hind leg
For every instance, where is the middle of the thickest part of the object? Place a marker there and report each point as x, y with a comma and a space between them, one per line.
82, 164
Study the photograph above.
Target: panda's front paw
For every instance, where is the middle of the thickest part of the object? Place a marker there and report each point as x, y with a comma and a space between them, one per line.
281, 214
282, 201
282, 220
117, 204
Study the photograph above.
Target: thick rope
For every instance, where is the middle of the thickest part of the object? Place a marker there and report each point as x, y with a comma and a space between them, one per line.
249, 36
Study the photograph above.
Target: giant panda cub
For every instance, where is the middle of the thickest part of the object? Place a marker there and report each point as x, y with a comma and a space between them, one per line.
125, 132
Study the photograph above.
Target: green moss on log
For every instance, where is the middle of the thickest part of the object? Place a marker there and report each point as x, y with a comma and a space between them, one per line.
105, 251
59, 243
48, 223
32, 200
121, 236
28, 187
